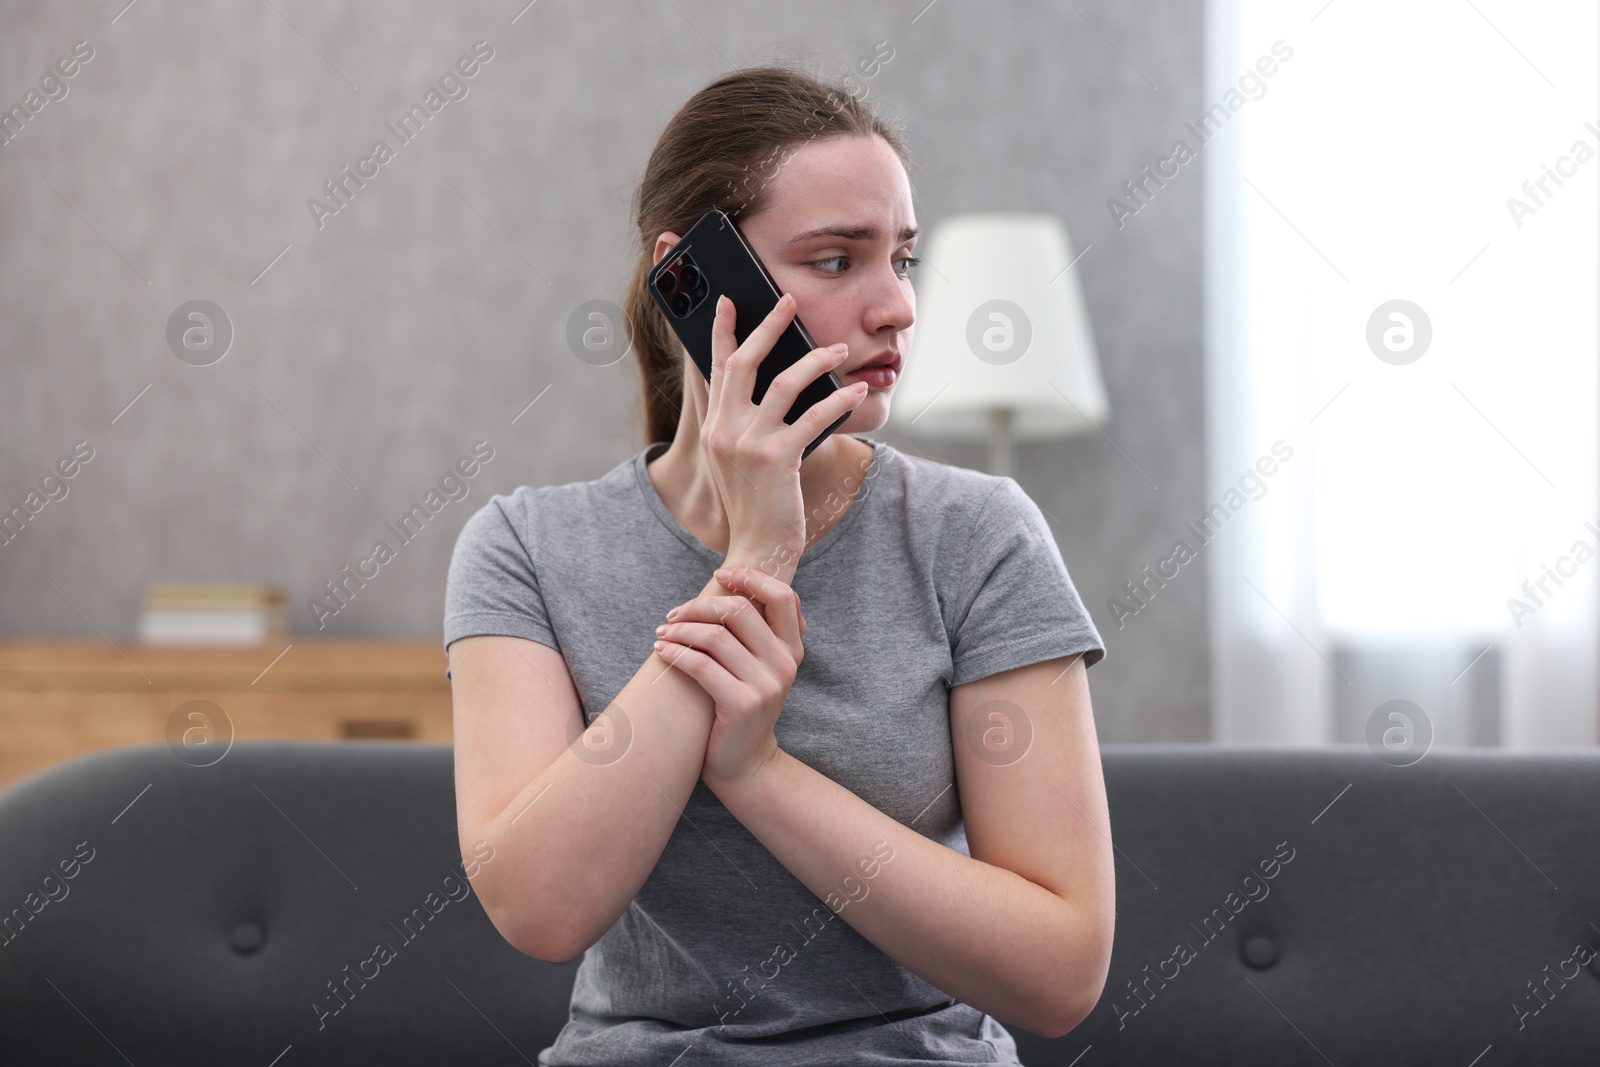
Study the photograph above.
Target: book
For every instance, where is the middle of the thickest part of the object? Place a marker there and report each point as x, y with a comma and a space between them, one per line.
212, 614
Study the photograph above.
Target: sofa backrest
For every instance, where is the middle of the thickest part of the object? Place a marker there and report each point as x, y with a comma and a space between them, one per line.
1308, 906
215, 911
1274, 906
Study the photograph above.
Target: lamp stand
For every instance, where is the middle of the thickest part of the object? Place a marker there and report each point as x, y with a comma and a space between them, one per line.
1001, 439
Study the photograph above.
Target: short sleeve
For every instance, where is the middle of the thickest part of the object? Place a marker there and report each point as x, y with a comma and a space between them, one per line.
1017, 603
492, 587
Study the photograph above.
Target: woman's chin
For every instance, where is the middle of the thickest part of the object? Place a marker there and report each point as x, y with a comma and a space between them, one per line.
871, 414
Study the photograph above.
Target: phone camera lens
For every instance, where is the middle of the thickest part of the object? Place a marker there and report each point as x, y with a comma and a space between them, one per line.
667, 282
690, 276
681, 304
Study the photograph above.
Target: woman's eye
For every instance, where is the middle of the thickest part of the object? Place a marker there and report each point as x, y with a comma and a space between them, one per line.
909, 261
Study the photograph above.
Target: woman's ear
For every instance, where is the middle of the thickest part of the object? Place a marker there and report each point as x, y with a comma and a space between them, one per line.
664, 244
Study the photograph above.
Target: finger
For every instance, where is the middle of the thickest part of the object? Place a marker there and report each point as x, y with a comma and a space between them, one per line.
722, 345
821, 415
781, 394
780, 603
721, 648
740, 367
740, 614
746, 620
710, 675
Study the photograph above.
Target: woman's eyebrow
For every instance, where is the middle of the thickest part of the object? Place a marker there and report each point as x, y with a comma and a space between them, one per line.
852, 233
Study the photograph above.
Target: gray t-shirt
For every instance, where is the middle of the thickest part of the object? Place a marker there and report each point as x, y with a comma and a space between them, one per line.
936, 575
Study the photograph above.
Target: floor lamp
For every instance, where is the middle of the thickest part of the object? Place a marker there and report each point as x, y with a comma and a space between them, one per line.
1002, 349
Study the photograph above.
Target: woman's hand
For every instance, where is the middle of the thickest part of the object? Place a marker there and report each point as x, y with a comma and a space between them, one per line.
753, 455
744, 652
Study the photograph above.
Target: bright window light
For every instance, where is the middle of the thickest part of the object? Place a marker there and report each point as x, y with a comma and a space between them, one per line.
1451, 161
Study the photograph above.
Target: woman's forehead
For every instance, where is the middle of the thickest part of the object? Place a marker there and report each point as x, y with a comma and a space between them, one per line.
853, 184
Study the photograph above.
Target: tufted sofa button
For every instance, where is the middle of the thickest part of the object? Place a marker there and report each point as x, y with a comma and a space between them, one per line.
1259, 951
246, 938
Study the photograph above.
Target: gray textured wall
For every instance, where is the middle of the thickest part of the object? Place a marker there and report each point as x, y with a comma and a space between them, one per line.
427, 313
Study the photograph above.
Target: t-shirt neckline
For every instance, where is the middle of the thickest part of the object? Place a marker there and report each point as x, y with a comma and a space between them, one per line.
652, 498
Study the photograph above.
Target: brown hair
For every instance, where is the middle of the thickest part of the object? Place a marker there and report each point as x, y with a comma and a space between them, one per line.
721, 150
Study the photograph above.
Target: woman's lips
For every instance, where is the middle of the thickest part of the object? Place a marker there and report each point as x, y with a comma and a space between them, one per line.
878, 377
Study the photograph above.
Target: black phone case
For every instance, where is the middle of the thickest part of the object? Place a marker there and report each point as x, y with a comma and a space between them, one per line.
727, 265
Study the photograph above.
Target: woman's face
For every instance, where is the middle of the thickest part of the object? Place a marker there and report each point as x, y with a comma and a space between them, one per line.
837, 233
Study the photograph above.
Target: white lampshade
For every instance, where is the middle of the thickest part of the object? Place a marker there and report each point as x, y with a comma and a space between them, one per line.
1001, 347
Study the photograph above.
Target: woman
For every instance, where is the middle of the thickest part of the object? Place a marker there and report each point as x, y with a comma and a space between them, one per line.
871, 846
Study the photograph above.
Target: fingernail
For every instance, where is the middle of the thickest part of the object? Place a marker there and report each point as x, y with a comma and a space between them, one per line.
840, 348
673, 614
661, 629
724, 573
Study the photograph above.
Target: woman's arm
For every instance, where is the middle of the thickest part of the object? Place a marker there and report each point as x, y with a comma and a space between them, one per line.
1022, 928
576, 828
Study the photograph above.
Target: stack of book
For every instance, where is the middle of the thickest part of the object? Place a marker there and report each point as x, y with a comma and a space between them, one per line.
209, 614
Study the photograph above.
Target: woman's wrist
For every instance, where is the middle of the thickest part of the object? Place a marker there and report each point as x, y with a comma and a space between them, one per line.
771, 566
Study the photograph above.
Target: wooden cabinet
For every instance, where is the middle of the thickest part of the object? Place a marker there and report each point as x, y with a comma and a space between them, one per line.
63, 699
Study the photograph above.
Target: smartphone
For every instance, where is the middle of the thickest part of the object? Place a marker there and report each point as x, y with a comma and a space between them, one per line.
714, 259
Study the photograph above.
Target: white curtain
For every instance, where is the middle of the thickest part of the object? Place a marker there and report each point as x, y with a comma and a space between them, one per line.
1445, 155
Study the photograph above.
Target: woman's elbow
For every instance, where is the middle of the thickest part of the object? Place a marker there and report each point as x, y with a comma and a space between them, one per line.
512, 920
1088, 968
531, 941
546, 941
1081, 1007
538, 940
1071, 1011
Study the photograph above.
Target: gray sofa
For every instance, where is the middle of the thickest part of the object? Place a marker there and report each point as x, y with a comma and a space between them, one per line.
1335, 910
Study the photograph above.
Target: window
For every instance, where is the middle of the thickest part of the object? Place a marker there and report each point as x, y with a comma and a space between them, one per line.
1402, 286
